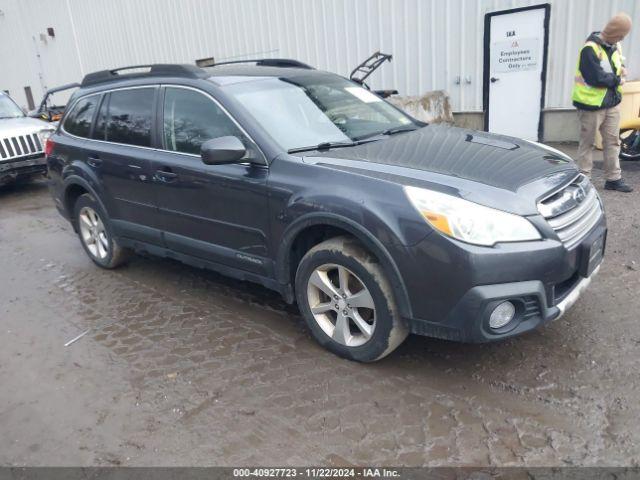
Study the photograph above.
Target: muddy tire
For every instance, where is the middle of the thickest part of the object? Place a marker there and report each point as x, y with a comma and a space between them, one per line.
347, 301
96, 237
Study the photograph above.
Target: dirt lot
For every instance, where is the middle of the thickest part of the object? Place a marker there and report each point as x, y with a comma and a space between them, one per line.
185, 367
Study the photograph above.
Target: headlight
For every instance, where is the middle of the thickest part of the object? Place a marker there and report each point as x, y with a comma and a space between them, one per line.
44, 134
468, 221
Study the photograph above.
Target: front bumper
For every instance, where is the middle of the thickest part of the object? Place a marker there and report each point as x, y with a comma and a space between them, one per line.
461, 285
532, 311
573, 296
15, 169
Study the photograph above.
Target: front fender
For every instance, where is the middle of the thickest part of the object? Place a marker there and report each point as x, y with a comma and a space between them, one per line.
283, 266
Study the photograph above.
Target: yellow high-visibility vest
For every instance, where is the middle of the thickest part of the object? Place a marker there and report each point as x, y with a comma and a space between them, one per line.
587, 94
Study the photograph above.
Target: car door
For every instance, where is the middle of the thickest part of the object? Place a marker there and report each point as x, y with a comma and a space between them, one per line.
214, 212
121, 154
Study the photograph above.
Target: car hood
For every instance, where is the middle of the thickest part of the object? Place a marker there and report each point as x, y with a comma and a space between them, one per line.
11, 127
494, 170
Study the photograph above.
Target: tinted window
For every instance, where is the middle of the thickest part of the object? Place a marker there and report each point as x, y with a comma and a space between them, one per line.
78, 122
129, 116
191, 118
100, 128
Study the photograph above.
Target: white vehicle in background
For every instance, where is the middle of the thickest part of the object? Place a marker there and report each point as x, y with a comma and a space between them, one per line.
22, 142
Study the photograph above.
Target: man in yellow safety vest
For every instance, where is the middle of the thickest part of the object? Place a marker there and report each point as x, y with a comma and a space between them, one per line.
597, 95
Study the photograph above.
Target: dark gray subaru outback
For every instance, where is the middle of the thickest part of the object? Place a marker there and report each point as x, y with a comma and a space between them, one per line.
375, 224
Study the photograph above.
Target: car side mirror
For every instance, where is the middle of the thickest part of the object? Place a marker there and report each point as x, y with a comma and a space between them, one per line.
221, 150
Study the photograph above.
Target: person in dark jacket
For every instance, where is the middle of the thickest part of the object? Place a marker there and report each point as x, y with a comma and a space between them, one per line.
597, 95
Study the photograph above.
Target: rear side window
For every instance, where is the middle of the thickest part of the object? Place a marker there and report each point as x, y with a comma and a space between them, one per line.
191, 118
78, 122
100, 128
129, 115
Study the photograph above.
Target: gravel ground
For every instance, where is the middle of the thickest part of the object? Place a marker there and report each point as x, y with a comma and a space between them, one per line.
186, 367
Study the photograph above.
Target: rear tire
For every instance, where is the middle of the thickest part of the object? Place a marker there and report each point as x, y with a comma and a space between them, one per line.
347, 301
96, 237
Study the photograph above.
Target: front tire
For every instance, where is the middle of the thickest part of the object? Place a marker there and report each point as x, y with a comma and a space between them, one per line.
347, 301
95, 234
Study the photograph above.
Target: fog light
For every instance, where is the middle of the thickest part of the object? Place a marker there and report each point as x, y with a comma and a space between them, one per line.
502, 315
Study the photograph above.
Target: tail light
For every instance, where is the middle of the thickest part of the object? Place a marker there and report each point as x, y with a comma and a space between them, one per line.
48, 146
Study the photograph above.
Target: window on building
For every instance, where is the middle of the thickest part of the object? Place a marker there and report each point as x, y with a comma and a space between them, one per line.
129, 117
78, 122
191, 118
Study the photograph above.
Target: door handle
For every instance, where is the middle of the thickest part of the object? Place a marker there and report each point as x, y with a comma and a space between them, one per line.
166, 175
494, 79
95, 162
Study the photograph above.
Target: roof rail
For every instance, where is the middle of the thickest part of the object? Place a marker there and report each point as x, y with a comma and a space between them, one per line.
155, 70
270, 62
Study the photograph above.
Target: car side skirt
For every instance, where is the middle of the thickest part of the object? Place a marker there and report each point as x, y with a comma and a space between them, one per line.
236, 273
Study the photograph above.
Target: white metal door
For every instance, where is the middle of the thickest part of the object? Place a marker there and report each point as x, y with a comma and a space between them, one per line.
516, 68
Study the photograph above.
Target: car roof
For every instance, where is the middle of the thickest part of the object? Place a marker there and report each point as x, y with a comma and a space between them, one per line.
240, 70
229, 74
220, 75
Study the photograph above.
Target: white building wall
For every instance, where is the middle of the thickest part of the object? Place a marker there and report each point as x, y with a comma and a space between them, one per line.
432, 41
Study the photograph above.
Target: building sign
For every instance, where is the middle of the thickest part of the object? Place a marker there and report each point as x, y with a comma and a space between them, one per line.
515, 55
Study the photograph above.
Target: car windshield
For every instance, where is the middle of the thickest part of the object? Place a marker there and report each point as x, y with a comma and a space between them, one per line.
8, 108
316, 109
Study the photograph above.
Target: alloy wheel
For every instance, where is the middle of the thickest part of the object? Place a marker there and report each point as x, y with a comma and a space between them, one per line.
93, 233
341, 304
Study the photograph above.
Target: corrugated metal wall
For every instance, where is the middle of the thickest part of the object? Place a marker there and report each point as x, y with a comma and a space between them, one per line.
433, 41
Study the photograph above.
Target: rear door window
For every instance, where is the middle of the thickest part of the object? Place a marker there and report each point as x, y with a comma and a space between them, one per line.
129, 116
100, 128
78, 122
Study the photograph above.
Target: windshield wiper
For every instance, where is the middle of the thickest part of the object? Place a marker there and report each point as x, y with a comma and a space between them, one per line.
393, 131
390, 131
357, 140
323, 146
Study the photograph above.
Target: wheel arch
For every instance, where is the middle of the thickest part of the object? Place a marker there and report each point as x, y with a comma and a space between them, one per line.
313, 223
74, 187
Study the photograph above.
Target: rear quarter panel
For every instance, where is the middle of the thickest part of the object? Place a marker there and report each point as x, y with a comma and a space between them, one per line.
67, 166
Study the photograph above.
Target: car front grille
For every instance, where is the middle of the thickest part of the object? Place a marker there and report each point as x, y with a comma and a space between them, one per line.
573, 211
20, 146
